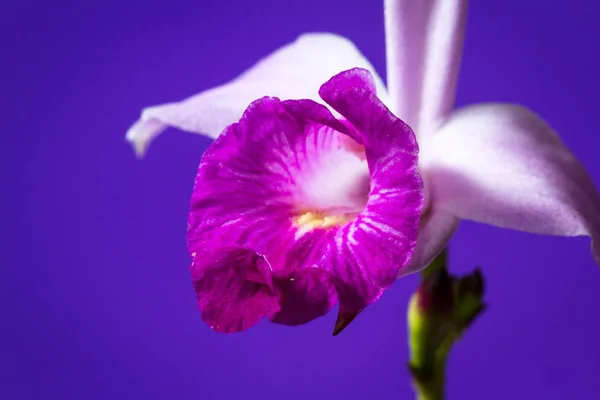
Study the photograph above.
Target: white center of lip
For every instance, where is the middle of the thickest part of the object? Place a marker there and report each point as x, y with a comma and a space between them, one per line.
338, 183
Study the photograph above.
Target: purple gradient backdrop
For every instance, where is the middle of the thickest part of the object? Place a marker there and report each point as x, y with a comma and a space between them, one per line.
95, 297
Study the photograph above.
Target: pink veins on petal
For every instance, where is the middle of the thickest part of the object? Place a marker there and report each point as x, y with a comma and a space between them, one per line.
294, 210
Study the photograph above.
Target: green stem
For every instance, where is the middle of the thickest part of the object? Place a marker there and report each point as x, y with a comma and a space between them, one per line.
429, 373
432, 391
439, 313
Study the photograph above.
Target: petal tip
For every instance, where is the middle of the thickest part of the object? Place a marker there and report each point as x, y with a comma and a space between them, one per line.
141, 133
343, 320
139, 147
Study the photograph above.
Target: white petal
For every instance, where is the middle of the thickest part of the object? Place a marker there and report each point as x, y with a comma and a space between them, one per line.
405, 31
502, 165
424, 47
294, 71
445, 36
435, 231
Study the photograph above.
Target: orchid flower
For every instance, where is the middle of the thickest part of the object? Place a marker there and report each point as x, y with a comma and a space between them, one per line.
293, 209
498, 164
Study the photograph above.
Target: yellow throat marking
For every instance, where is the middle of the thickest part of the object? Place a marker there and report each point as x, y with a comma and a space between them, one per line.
311, 220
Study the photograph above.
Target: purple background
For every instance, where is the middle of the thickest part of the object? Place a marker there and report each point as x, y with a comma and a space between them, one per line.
95, 296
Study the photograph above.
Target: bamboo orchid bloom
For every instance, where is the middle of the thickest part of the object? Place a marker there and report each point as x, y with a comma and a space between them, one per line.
294, 210
498, 164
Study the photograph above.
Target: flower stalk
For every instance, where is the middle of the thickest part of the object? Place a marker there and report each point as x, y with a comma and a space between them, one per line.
439, 312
